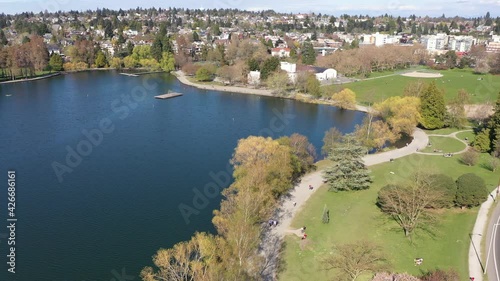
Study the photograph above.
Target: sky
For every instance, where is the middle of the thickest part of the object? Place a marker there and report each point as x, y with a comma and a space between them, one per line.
467, 8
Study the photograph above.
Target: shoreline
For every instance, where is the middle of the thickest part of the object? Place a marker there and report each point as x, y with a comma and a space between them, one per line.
31, 79
250, 91
233, 89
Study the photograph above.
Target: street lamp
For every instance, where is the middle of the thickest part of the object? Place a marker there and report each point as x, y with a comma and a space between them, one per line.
475, 249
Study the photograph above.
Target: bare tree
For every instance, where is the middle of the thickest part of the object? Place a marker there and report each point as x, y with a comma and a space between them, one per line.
355, 259
409, 203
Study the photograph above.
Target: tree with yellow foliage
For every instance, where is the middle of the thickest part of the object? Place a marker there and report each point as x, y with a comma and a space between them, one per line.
401, 113
345, 99
375, 135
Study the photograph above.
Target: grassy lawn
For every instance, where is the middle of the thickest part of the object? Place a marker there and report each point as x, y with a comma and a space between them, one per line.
193, 79
469, 135
453, 80
444, 132
354, 216
447, 145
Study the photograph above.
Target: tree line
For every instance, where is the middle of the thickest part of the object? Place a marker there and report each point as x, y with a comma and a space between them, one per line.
264, 169
24, 60
363, 61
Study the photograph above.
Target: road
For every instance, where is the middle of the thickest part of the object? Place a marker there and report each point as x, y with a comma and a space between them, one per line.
492, 248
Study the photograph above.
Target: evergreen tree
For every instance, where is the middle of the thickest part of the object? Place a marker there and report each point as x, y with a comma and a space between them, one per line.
326, 215
156, 49
348, 171
268, 67
166, 46
413, 28
100, 60
494, 126
314, 36
308, 54
121, 39
432, 108
196, 37
3, 38
482, 142
253, 64
56, 62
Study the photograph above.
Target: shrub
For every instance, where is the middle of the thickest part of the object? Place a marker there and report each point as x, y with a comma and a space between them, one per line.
471, 190
493, 164
204, 74
447, 186
470, 157
345, 99
190, 69
441, 275
482, 142
394, 277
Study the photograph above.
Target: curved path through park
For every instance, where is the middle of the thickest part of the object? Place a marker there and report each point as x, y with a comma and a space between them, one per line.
271, 240
453, 136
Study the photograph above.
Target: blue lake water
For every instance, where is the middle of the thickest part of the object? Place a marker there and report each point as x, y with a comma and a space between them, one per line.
110, 210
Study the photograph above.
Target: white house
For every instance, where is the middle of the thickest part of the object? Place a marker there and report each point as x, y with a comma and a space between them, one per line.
253, 77
291, 70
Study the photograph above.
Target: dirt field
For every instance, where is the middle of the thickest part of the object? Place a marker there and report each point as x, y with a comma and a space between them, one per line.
422, 74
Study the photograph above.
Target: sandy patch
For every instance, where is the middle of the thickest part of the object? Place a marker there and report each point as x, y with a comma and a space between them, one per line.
422, 74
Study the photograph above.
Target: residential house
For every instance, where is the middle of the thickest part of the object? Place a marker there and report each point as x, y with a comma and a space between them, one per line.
254, 78
291, 70
280, 52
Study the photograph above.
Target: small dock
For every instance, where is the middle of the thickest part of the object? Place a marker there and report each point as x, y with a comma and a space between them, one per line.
129, 74
168, 96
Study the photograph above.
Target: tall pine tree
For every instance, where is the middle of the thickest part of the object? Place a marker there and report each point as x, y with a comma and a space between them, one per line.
308, 53
432, 108
494, 125
157, 49
348, 171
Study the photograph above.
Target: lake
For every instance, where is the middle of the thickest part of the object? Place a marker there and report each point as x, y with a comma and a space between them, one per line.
102, 167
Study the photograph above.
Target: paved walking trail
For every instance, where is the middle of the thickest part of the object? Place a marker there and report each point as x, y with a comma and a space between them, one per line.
272, 239
260, 92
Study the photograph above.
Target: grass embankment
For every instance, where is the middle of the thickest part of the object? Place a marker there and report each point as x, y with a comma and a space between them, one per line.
354, 216
38, 74
469, 135
210, 83
376, 90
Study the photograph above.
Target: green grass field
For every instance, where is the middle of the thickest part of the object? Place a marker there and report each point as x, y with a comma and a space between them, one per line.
445, 131
469, 135
354, 216
445, 144
377, 90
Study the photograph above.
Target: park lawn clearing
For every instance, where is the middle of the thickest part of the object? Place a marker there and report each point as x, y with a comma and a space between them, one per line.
444, 145
469, 135
354, 216
444, 131
482, 88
